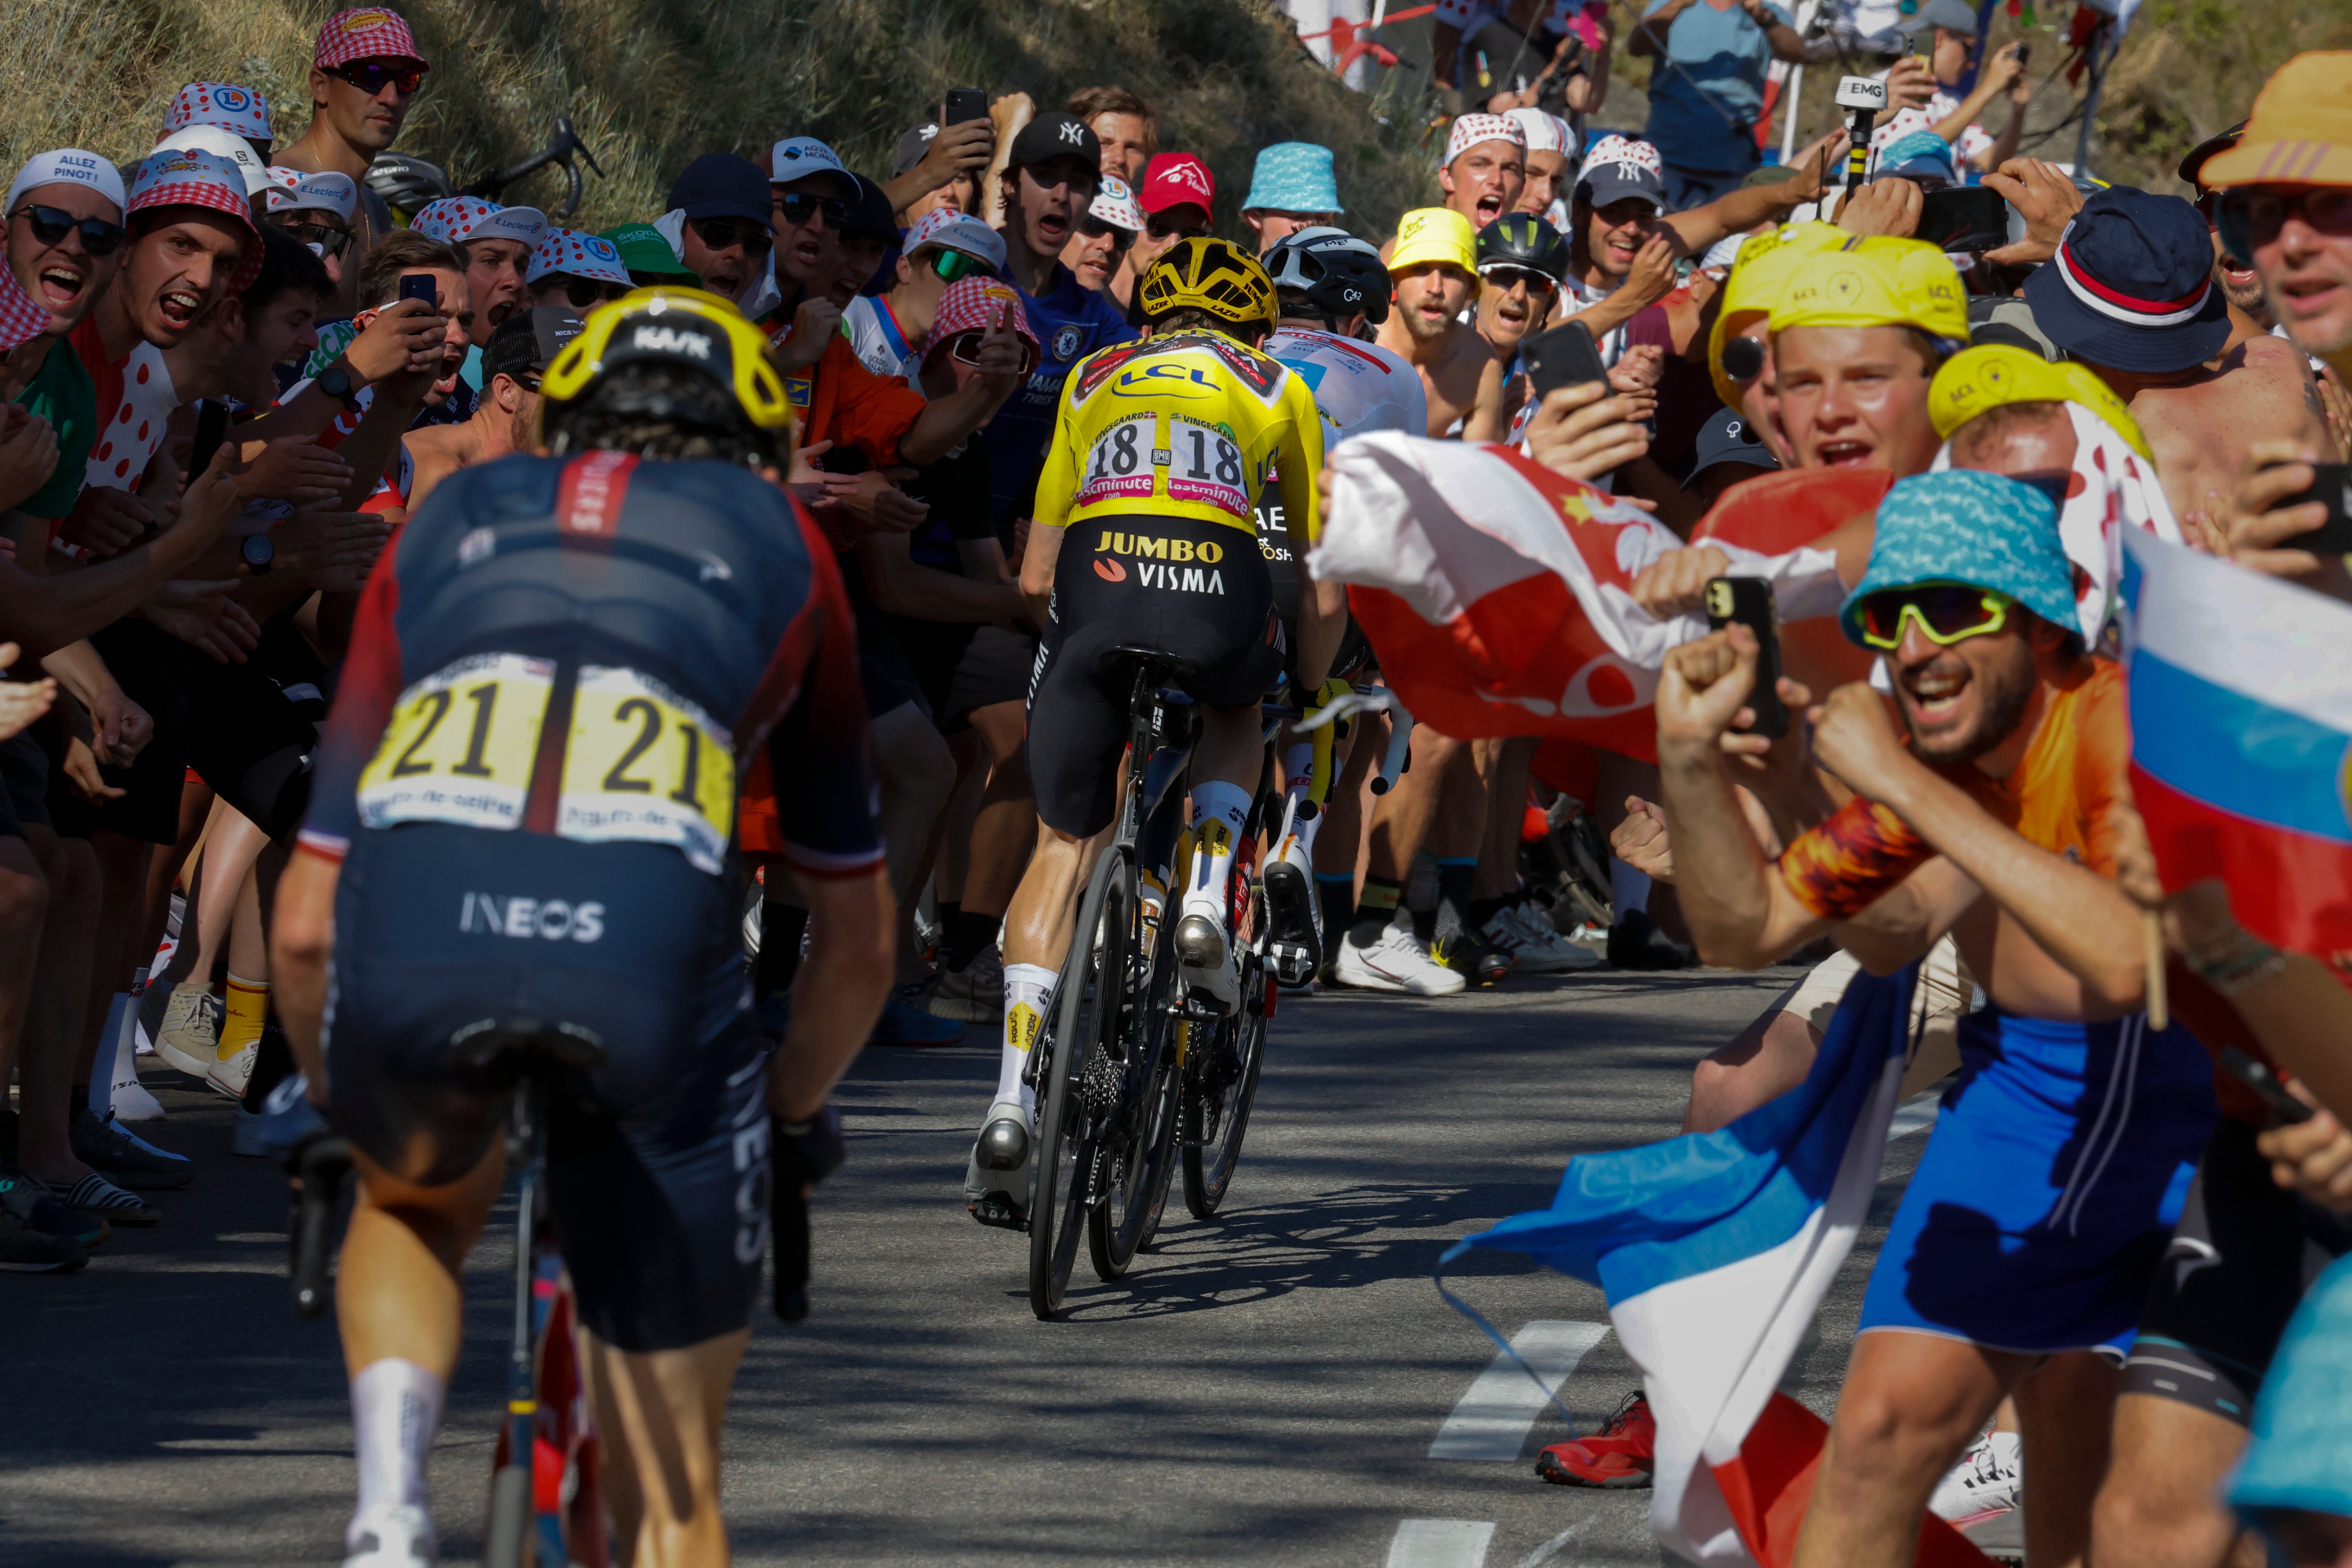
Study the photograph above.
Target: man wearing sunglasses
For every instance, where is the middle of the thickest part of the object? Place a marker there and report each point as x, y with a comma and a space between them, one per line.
65, 242
365, 73
890, 332
1178, 196
573, 270
717, 224
2018, 1261
317, 209
1099, 248
514, 359
1522, 260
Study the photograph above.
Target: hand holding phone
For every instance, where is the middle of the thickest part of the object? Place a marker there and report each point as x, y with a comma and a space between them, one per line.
2287, 1111
420, 286
1564, 356
1748, 602
963, 103
2331, 486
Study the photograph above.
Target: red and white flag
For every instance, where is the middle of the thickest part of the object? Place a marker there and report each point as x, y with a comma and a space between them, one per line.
1498, 593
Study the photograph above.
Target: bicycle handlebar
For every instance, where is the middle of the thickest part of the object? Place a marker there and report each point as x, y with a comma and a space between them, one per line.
1369, 700
566, 145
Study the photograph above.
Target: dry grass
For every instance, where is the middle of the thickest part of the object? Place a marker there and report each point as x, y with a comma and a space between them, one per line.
653, 83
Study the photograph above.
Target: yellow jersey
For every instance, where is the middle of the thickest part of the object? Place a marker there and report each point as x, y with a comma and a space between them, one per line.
1191, 424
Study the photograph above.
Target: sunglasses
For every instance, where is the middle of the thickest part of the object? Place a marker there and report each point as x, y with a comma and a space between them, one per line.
586, 291
965, 346
1094, 228
1160, 228
1946, 613
330, 241
721, 232
1505, 276
951, 264
798, 206
2250, 216
51, 224
369, 75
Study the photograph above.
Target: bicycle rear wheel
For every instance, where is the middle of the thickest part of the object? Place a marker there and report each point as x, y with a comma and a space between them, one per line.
1137, 1169
1221, 1084
1086, 1021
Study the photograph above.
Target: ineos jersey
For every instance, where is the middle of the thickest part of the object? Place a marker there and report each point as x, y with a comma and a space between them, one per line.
600, 648
1357, 388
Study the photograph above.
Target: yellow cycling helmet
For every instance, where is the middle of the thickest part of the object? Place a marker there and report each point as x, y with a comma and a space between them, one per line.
684, 327
1211, 275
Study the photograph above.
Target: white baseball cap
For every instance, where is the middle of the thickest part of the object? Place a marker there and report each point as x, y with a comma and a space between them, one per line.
292, 190
953, 230
1115, 204
799, 157
69, 166
228, 144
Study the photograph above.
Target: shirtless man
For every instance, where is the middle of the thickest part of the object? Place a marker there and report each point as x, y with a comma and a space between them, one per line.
2016, 1263
517, 355
351, 123
1435, 270
2107, 299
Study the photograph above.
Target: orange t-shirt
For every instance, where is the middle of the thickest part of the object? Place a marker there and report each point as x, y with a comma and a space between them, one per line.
841, 401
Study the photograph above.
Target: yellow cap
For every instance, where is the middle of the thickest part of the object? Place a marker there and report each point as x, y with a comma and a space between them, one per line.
2301, 131
1880, 281
1766, 264
1434, 234
1976, 379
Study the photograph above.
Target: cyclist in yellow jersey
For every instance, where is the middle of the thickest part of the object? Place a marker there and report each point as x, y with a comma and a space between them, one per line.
1144, 536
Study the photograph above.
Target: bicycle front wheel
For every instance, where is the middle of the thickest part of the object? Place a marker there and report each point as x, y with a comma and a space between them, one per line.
1221, 1085
1085, 1022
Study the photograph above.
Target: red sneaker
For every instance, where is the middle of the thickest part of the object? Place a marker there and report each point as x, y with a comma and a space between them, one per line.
1622, 1454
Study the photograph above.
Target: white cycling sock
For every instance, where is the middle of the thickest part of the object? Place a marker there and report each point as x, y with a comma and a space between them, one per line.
125, 1094
1628, 890
395, 1412
1026, 987
1299, 764
1219, 809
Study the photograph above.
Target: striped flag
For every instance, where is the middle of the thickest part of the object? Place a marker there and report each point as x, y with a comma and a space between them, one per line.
2241, 738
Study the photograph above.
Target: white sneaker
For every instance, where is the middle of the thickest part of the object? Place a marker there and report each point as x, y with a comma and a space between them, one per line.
1396, 962
228, 1075
997, 1192
1540, 948
190, 1038
391, 1535
1986, 1481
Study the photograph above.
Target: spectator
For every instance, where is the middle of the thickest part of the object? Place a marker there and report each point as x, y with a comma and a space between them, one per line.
1291, 188
1708, 87
506, 421
649, 257
365, 73
810, 196
1553, 149
889, 331
2241, 285
1521, 262
931, 170
572, 269
319, 210
717, 224
1486, 167
1099, 248
1951, 51
868, 242
226, 107
497, 242
1729, 450
1123, 123
1179, 200
1435, 271
2291, 1488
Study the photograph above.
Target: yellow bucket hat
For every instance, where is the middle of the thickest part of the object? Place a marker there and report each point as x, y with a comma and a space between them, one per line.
1765, 266
1976, 379
1435, 233
2301, 131
1882, 281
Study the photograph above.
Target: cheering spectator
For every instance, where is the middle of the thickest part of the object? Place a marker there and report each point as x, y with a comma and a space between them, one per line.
650, 261
1553, 149
717, 224
1486, 167
575, 270
319, 210
1178, 198
888, 331
1099, 248
517, 355
1708, 87
365, 72
1521, 261
1291, 188
1123, 123
496, 243
1435, 271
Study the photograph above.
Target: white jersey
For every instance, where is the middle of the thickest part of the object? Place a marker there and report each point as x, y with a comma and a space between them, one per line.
875, 336
1359, 387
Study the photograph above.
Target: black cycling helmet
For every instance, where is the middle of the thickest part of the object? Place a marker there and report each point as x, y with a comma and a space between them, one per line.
1339, 274
1523, 239
408, 184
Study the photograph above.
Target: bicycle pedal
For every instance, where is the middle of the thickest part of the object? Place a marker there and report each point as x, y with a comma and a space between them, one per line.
1292, 963
997, 1210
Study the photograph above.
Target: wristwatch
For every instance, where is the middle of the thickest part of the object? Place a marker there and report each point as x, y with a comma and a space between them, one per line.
259, 552
336, 383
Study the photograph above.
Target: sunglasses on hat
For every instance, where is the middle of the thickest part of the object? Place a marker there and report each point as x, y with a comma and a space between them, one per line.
586, 291
1159, 227
1946, 613
797, 207
965, 346
51, 224
369, 75
719, 233
330, 240
947, 265
1094, 228
1506, 276
1743, 359
2250, 216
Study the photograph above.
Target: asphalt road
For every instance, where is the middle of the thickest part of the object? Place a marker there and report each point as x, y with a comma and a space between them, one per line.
1282, 1387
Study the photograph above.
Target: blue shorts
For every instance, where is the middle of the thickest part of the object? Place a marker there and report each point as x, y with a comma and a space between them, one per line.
2050, 1185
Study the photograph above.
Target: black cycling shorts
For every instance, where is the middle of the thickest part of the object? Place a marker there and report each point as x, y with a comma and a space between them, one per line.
24, 785
1189, 587
2243, 1254
659, 1162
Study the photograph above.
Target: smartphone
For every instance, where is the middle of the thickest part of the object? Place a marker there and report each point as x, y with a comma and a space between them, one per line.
964, 103
1749, 601
1963, 218
2022, 52
2330, 483
2286, 1109
1564, 356
419, 286
212, 429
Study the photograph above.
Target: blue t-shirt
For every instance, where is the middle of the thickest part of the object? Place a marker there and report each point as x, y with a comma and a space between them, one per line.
1071, 323
1707, 89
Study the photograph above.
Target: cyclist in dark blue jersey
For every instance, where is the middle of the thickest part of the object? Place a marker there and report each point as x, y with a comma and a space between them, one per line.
526, 808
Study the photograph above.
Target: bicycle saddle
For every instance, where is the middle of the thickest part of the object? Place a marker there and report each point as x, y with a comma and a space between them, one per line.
511, 1048
1166, 665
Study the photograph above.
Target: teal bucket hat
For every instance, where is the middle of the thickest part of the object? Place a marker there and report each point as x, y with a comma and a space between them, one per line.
1293, 177
1965, 526
2301, 1456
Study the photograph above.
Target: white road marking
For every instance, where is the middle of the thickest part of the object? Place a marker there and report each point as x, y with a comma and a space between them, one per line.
1552, 1548
1913, 1115
1439, 1543
1492, 1420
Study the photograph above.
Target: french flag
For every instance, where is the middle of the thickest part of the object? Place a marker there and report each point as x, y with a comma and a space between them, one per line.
1714, 1250
2241, 728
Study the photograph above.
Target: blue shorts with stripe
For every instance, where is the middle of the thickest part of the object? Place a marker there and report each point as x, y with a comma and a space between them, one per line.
2049, 1186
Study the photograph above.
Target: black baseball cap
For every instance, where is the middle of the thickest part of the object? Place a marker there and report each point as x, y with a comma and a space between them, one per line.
1725, 438
869, 215
723, 184
528, 340
1056, 135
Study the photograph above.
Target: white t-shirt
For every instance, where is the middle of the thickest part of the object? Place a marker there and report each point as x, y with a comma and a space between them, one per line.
1359, 387
1611, 343
876, 338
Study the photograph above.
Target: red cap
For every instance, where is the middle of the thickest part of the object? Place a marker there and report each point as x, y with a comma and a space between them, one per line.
1173, 179
367, 33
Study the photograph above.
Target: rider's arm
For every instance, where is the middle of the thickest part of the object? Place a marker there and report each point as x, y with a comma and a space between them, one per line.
1058, 482
301, 939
